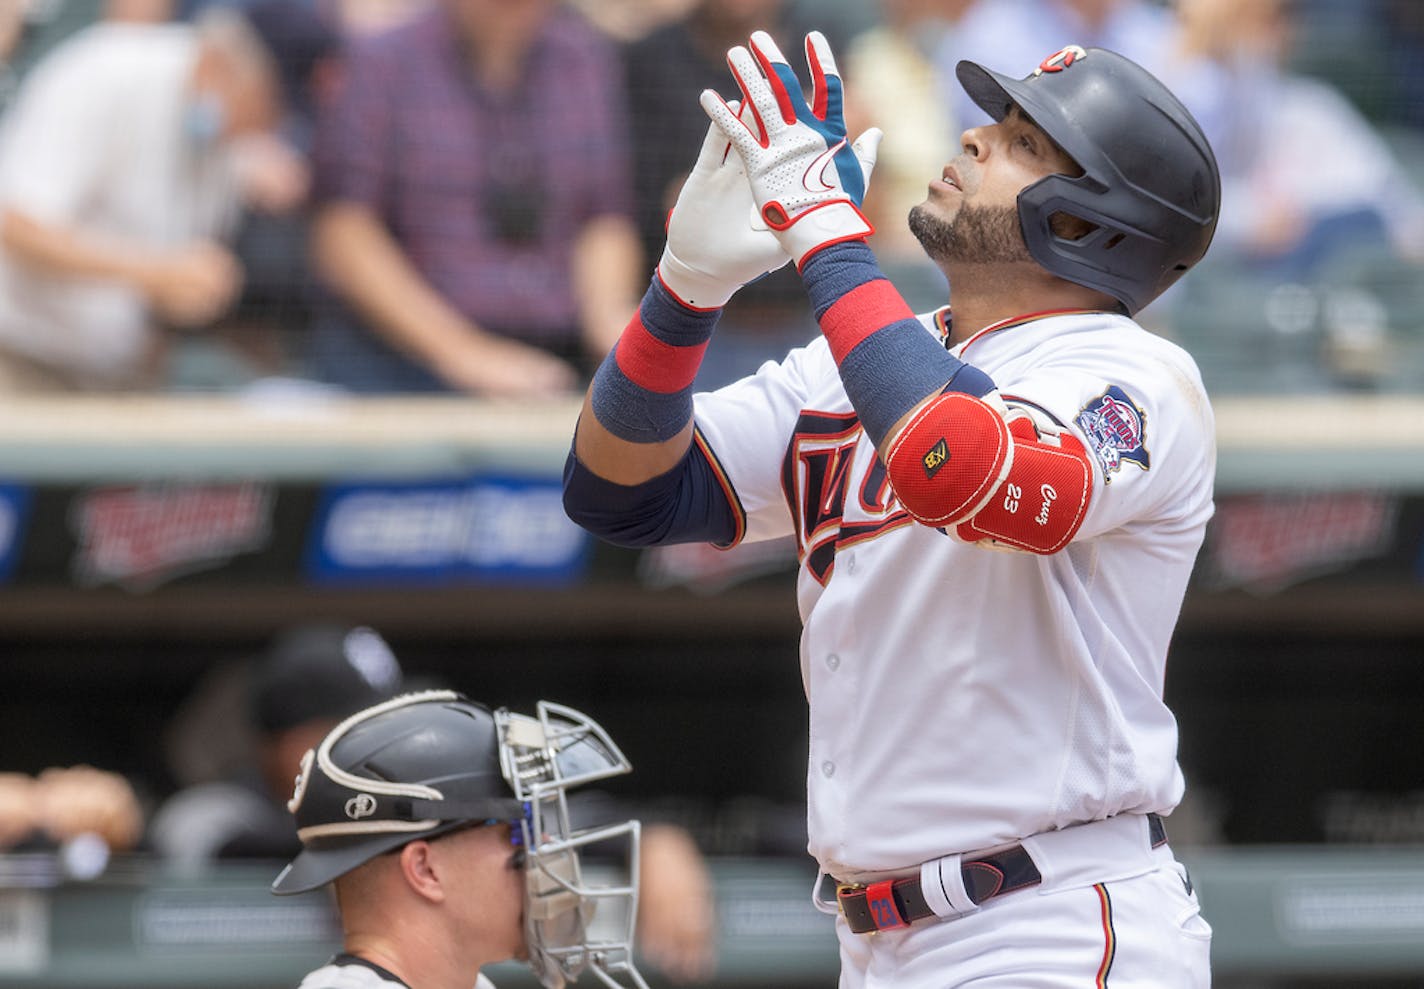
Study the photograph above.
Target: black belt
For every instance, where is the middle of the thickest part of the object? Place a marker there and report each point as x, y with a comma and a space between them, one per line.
894, 903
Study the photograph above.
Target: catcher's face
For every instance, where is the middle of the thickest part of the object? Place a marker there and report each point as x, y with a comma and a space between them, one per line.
487, 896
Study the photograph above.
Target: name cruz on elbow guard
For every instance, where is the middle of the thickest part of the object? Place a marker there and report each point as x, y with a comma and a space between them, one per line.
1013, 494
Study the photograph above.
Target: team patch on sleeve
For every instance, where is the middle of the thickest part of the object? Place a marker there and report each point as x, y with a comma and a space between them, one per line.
1116, 428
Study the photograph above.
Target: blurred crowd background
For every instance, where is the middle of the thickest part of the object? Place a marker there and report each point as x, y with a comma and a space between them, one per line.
280, 198
390, 196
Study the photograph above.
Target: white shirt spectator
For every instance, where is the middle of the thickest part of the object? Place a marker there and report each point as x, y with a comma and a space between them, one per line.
96, 141
1288, 143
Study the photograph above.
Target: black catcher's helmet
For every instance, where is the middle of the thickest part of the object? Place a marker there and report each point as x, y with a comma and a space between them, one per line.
414, 767
424, 764
1149, 182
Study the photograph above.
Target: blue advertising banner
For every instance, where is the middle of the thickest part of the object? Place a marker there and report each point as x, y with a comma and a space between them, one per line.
480, 529
14, 515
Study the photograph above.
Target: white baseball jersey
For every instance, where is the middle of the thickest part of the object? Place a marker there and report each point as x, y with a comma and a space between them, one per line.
348, 972
962, 696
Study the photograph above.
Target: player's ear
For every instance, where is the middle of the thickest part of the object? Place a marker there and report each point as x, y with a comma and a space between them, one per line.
418, 868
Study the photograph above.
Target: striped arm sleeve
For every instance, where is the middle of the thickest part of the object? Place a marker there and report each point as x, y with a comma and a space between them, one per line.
887, 362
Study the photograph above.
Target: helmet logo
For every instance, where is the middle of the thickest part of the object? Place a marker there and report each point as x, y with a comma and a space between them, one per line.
1060, 60
361, 805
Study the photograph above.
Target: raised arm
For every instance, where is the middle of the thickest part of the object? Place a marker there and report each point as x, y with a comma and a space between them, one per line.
948, 442
637, 415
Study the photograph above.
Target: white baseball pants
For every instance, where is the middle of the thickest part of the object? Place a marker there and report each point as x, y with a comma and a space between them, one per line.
1138, 927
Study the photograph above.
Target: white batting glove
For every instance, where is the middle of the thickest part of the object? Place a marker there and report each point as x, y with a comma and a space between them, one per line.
716, 239
807, 179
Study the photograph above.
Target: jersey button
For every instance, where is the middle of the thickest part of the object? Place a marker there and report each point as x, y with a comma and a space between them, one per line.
833, 662
850, 563
828, 769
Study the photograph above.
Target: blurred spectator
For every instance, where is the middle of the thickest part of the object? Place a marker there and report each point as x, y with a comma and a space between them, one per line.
676, 909
356, 18
350, 18
311, 678
1305, 177
474, 220
1404, 52
63, 804
43, 24
1006, 35
267, 325
17, 809
30, 27
118, 181
667, 71
139, 11
12, 31
893, 84
12, 25
629, 20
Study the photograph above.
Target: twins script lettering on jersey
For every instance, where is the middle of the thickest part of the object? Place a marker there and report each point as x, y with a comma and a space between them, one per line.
818, 473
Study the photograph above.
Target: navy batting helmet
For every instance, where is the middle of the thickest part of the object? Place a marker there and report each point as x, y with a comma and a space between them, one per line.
414, 767
1150, 183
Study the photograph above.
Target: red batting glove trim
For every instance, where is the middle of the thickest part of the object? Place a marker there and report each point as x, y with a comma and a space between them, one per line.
818, 81
680, 300
783, 98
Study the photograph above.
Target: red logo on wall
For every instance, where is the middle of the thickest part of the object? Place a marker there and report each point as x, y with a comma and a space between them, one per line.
1265, 543
141, 537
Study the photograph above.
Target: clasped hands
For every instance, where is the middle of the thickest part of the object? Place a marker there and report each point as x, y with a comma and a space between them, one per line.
776, 179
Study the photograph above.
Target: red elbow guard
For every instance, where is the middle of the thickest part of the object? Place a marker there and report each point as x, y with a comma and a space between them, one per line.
949, 459
1040, 505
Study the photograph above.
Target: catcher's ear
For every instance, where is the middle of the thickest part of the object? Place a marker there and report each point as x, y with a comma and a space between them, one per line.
418, 869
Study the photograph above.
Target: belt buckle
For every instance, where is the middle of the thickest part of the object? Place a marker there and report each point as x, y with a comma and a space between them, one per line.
845, 889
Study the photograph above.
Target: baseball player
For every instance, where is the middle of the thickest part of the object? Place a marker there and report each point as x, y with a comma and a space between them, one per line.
997, 508
444, 828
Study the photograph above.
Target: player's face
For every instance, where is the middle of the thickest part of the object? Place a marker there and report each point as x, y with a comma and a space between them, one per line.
971, 214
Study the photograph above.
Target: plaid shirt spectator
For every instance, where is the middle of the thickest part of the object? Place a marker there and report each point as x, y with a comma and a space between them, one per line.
486, 192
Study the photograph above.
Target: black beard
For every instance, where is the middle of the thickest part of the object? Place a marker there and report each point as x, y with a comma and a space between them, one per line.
976, 235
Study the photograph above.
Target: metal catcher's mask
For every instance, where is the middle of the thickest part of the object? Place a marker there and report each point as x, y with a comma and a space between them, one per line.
542, 758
